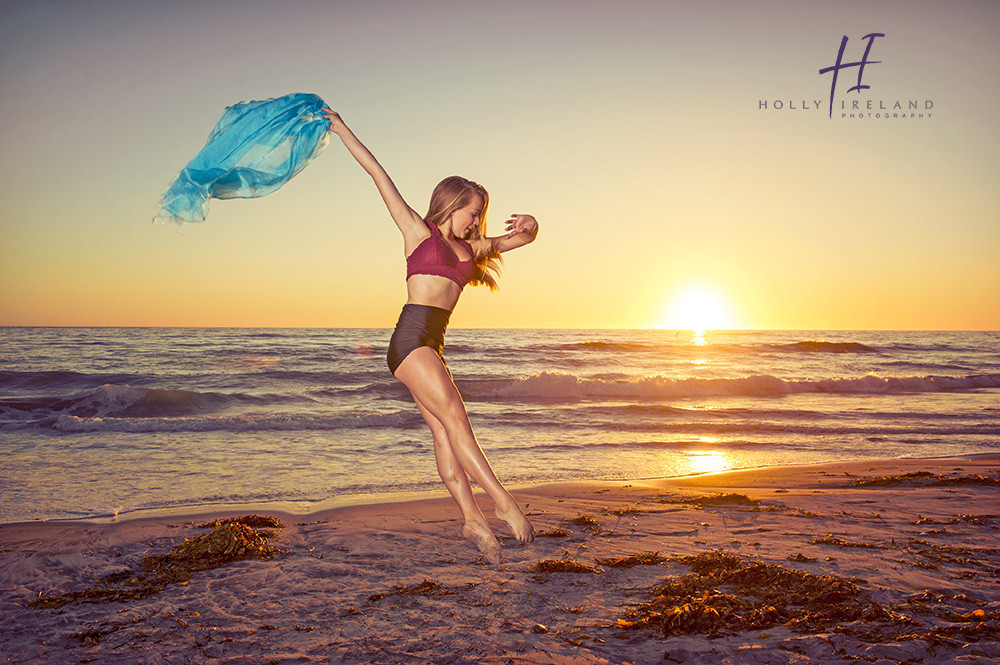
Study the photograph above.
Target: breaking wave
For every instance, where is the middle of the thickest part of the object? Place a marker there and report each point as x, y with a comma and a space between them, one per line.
562, 386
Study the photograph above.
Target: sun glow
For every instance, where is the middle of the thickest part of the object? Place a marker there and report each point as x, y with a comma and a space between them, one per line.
698, 307
708, 461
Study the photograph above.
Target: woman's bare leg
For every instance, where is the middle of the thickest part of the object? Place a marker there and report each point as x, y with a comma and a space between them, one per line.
431, 385
476, 528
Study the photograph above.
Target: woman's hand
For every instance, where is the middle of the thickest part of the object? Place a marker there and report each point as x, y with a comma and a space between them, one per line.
521, 224
336, 123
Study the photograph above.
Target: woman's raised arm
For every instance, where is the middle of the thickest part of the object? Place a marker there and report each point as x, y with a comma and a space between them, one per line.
408, 221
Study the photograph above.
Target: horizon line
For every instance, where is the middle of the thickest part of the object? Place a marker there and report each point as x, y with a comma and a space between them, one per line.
691, 330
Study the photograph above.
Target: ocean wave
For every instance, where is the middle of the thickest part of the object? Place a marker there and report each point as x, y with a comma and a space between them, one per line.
64, 379
822, 346
125, 401
722, 348
612, 346
240, 423
563, 386
587, 423
116, 400
681, 445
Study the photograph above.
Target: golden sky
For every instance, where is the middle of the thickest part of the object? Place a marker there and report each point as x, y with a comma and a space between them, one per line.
633, 131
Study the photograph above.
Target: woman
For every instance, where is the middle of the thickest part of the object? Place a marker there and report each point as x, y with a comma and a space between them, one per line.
444, 251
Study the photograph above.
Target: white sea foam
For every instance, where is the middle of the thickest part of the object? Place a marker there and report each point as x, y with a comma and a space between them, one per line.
561, 385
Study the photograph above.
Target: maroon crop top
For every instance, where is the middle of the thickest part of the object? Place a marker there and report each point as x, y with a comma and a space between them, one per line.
434, 256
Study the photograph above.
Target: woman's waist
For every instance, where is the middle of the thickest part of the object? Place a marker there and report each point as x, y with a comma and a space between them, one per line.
443, 296
432, 309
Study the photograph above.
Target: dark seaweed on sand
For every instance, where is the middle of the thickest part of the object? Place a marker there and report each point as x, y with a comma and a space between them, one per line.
955, 554
726, 593
229, 541
425, 588
623, 510
977, 479
978, 520
253, 521
731, 499
638, 559
584, 519
562, 566
841, 543
926, 478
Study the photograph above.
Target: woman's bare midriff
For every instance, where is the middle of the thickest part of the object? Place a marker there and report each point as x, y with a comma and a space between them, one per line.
432, 290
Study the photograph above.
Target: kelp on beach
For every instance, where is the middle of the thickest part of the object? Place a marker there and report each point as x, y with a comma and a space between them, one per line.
926, 478
758, 596
233, 539
726, 593
632, 560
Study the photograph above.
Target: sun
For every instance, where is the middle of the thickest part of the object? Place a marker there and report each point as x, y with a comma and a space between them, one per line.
698, 307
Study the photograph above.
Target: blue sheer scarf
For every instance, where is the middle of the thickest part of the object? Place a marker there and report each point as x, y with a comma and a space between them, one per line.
255, 148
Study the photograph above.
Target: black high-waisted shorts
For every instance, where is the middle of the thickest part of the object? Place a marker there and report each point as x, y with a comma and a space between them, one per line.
418, 325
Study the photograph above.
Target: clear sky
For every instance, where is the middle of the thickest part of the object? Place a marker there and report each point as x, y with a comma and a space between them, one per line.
632, 130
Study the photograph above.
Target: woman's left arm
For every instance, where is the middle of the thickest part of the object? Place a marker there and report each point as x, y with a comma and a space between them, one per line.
521, 230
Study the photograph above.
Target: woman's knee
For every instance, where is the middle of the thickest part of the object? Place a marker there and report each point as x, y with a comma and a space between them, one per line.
448, 424
438, 431
444, 413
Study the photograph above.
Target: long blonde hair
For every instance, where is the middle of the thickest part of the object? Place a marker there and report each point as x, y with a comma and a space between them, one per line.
451, 194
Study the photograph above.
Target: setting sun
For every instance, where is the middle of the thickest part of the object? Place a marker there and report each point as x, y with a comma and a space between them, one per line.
698, 307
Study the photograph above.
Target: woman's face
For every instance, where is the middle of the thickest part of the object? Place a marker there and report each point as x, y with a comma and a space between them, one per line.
465, 220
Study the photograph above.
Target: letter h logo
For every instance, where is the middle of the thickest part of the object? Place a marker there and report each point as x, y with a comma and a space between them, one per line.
844, 65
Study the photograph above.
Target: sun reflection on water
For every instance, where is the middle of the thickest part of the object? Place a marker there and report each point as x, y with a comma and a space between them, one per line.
699, 340
707, 461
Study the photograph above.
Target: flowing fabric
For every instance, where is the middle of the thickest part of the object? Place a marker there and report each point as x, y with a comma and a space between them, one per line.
255, 148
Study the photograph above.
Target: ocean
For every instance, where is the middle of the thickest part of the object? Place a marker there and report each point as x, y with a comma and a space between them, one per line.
98, 422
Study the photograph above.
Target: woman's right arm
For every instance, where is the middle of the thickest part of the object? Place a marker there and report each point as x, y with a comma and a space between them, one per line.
408, 221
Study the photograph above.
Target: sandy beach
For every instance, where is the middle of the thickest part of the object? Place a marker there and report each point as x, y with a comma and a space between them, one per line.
872, 561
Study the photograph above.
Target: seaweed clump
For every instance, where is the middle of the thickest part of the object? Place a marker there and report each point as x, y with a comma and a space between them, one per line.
425, 588
562, 566
638, 559
726, 593
925, 479
254, 521
977, 520
228, 541
841, 543
585, 520
731, 499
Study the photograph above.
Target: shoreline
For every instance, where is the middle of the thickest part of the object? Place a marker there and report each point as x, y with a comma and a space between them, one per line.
286, 508
394, 581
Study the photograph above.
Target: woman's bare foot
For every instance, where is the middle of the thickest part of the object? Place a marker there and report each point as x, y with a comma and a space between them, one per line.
519, 524
484, 539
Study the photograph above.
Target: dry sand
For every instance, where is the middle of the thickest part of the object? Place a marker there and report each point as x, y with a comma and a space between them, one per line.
349, 587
